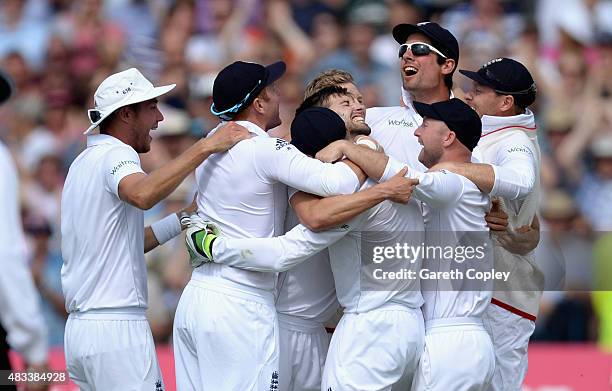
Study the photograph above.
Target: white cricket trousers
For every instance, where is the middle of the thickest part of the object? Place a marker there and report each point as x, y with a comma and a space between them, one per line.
112, 350
225, 338
458, 356
377, 350
303, 348
510, 334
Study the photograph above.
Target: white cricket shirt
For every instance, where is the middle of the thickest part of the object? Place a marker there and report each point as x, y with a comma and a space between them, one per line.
102, 236
510, 144
307, 291
244, 192
452, 204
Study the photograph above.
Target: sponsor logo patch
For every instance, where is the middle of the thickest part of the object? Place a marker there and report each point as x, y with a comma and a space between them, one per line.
402, 122
122, 164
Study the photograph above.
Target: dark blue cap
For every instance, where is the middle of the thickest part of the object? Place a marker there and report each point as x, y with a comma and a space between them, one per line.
315, 128
6, 87
506, 77
458, 116
238, 84
441, 38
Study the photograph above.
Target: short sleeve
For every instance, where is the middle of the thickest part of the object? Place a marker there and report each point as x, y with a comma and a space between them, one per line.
119, 162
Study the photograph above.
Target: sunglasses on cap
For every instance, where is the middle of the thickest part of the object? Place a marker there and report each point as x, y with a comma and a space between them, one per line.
419, 49
490, 76
228, 114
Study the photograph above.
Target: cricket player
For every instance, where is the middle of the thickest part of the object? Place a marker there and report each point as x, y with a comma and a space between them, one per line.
501, 92
108, 342
244, 192
428, 58
306, 296
20, 315
458, 351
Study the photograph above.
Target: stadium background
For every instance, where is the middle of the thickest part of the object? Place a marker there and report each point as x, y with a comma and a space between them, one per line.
58, 51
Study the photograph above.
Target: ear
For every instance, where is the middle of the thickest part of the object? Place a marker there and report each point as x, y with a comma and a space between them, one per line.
449, 66
258, 105
125, 114
449, 139
507, 103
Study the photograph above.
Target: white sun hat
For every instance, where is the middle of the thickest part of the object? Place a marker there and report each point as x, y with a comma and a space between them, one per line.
122, 89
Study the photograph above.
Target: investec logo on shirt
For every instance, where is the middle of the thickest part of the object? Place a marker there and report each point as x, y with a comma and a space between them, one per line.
402, 122
121, 164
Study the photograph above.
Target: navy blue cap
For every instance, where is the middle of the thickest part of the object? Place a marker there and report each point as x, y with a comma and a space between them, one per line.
458, 116
441, 38
6, 87
238, 84
315, 128
507, 77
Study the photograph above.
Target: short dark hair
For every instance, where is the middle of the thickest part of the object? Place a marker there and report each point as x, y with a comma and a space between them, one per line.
321, 97
104, 125
448, 79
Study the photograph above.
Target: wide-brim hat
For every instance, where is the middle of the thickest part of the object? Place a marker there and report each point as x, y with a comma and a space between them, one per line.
119, 90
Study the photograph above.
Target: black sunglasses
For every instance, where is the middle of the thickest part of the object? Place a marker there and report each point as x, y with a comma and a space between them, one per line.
419, 49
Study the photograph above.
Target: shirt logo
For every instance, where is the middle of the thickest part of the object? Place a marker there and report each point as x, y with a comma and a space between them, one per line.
519, 149
280, 144
402, 122
158, 386
121, 164
274, 381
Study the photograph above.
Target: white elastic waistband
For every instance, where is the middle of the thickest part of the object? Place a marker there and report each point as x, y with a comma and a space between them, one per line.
236, 290
290, 322
388, 306
124, 313
454, 322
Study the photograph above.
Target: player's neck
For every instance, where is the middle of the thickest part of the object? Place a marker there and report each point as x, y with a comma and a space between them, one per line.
252, 118
437, 94
457, 155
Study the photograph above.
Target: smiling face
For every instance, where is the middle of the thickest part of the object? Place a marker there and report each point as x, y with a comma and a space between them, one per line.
420, 73
484, 100
145, 117
351, 109
431, 134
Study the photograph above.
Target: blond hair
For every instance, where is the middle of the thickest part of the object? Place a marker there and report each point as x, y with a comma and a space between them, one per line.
331, 77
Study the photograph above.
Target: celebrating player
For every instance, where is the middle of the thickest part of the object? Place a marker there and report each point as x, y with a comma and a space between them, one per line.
108, 342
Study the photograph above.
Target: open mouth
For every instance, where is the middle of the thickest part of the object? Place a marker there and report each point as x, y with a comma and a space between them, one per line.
358, 118
410, 70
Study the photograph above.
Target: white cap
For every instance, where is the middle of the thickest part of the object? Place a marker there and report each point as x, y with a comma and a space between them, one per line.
122, 89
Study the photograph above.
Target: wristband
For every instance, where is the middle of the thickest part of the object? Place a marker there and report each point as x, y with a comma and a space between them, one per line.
166, 228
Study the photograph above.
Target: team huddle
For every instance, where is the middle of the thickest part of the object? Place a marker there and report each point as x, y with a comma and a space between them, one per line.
281, 234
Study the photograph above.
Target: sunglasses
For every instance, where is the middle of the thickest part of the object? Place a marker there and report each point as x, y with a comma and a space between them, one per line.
419, 49
228, 114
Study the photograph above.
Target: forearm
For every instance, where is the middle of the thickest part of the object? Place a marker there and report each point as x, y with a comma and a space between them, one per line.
160, 183
483, 175
273, 254
324, 213
371, 162
150, 241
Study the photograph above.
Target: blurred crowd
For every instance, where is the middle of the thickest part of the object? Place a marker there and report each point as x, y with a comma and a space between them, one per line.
58, 51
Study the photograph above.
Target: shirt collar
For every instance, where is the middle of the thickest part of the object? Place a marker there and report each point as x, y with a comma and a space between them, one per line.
492, 124
251, 127
101, 139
